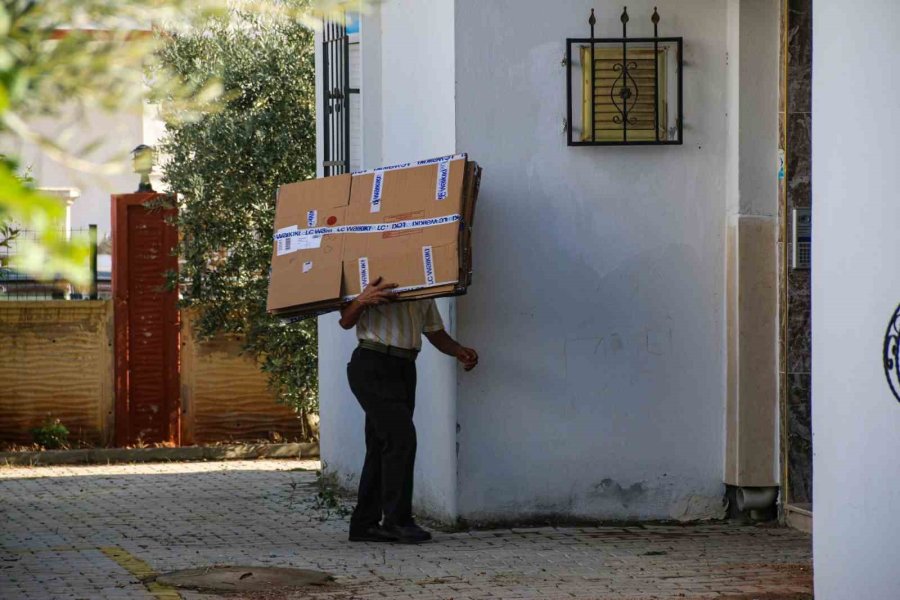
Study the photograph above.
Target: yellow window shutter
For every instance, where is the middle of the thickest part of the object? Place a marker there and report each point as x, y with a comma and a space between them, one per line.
606, 120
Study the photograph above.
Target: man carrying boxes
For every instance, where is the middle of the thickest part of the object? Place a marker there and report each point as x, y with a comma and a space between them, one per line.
410, 225
382, 375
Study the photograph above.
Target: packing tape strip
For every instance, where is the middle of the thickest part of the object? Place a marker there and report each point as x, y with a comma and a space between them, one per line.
377, 187
372, 227
363, 272
428, 161
292, 320
428, 264
443, 180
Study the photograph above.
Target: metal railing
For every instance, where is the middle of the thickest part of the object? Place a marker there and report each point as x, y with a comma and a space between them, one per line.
16, 285
336, 92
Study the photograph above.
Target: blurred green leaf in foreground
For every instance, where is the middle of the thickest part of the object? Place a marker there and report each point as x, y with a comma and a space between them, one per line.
63, 58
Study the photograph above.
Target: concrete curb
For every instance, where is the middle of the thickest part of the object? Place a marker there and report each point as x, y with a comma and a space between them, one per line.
143, 455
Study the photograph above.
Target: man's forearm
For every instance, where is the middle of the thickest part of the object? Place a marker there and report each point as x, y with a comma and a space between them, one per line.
443, 342
351, 313
377, 292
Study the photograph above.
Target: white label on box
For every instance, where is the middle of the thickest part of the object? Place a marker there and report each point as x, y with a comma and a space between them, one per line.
311, 218
377, 187
428, 261
443, 179
285, 244
363, 273
287, 240
308, 242
307, 266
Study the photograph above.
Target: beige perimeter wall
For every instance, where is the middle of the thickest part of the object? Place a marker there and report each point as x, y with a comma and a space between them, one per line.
57, 361
224, 395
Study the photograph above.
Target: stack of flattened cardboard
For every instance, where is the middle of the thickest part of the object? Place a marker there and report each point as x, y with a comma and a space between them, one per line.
410, 224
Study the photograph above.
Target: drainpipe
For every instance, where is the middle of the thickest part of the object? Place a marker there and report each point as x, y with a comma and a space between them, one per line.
756, 498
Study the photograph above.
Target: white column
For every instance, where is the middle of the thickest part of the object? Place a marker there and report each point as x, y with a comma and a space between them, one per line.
407, 113
751, 420
67, 197
856, 288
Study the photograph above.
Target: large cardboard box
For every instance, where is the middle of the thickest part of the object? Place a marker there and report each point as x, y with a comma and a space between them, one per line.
410, 224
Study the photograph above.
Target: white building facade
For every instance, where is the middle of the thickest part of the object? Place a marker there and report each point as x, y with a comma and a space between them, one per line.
599, 301
856, 289
626, 301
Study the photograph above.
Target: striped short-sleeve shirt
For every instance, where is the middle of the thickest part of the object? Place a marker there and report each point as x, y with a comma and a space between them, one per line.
399, 324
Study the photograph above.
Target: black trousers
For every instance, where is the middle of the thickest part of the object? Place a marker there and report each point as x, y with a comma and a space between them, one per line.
385, 387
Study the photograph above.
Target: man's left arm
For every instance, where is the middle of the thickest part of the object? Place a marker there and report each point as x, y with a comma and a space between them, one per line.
441, 340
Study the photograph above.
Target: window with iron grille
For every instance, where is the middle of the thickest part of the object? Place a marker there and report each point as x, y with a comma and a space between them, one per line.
627, 91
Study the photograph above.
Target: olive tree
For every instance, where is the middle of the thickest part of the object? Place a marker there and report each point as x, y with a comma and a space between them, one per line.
226, 165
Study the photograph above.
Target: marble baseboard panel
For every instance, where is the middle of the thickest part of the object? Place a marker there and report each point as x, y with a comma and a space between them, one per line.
752, 305
799, 428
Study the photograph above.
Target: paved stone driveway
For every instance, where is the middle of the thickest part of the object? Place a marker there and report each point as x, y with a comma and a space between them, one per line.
94, 531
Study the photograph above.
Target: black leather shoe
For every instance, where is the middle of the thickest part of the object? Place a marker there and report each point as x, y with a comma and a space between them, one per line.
375, 533
407, 534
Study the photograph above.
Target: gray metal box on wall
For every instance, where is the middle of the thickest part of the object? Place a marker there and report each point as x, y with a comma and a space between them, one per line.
801, 238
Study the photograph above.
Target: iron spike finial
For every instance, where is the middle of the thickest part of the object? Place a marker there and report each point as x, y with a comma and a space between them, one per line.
655, 17
624, 15
592, 20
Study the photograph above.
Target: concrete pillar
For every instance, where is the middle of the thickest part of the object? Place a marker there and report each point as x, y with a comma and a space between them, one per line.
67, 197
855, 291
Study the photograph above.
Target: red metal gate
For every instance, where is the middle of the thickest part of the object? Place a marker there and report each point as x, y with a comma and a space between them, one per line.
147, 323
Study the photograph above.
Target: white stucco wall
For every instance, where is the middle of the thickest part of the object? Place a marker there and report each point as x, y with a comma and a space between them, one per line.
118, 132
753, 53
855, 289
597, 305
408, 94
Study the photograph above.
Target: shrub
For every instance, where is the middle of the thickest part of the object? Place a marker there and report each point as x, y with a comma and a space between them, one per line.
52, 435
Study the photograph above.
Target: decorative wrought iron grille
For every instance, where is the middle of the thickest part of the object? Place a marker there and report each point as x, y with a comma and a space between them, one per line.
891, 354
336, 93
627, 91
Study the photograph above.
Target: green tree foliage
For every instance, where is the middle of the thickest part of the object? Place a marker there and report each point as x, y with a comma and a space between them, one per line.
227, 165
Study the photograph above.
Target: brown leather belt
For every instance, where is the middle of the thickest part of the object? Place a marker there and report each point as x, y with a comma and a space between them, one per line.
406, 353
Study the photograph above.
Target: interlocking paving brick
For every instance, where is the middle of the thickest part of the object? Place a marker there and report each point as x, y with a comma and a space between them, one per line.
58, 524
